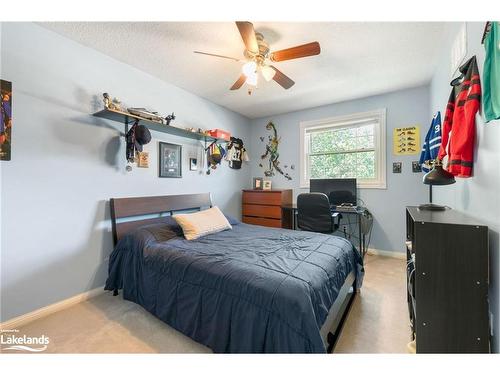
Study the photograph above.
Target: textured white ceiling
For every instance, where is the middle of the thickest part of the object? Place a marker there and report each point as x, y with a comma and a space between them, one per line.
356, 60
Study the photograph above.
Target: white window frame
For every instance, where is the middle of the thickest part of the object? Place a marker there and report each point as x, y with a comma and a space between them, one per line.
379, 182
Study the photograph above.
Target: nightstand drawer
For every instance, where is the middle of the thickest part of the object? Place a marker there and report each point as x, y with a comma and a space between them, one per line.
258, 210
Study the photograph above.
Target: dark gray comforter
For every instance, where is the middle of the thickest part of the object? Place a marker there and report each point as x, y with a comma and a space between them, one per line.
247, 290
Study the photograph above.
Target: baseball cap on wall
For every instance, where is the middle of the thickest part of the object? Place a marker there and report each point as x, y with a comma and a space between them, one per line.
142, 136
138, 135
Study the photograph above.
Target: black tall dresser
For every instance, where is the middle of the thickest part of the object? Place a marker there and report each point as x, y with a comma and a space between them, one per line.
447, 269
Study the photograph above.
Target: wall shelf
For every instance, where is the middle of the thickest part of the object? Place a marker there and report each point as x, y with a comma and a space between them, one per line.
127, 119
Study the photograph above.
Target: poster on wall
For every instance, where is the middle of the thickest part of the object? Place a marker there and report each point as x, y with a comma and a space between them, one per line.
5, 119
406, 141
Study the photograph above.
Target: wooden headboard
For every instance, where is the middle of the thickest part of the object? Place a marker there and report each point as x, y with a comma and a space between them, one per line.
122, 208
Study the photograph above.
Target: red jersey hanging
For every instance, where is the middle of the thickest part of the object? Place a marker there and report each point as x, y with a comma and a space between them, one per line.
459, 126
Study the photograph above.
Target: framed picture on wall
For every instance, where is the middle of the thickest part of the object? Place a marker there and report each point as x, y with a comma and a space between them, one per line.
193, 164
143, 159
5, 119
170, 160
396, 167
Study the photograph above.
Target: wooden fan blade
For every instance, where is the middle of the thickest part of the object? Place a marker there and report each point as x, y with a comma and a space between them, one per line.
239, 82
213, 54
309, 49
248, 35
282, 79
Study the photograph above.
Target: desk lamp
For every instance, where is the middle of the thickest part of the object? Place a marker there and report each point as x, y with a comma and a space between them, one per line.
437, 176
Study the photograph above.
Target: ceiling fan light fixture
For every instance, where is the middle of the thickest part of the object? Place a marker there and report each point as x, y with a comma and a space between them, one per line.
249, 68
268, 73
252, 79
257, 55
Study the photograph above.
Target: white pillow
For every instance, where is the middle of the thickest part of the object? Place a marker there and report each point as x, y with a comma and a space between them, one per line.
202, 223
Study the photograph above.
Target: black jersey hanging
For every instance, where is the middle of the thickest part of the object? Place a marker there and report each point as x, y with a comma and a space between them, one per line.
236, 153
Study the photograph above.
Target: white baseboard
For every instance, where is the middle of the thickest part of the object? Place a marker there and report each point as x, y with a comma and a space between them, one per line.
51, 309
385, 253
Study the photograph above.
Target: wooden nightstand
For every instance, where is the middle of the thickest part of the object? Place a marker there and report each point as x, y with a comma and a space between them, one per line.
264, 207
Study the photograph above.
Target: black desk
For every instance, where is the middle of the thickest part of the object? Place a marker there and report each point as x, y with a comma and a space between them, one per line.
358, 213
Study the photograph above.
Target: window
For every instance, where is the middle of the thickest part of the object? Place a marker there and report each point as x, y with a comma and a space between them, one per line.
344, 147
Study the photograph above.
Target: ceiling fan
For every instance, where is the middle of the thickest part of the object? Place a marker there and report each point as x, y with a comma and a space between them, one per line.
258, 58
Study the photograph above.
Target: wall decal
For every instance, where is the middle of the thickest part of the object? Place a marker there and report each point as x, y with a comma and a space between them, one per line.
272, 154
5, 119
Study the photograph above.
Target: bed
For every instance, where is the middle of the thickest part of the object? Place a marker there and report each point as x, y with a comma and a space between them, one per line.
250, 289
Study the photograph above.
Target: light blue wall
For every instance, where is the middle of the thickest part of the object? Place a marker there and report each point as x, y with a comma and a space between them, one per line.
55, 228
66, 164
406, 107
477, 196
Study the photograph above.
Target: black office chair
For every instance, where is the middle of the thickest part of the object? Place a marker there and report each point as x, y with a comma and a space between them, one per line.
314, 214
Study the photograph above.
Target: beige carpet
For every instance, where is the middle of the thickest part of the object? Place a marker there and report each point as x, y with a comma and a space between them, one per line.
378, 322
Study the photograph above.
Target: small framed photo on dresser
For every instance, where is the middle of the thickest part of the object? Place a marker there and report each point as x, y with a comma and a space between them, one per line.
267, 185
258, 182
